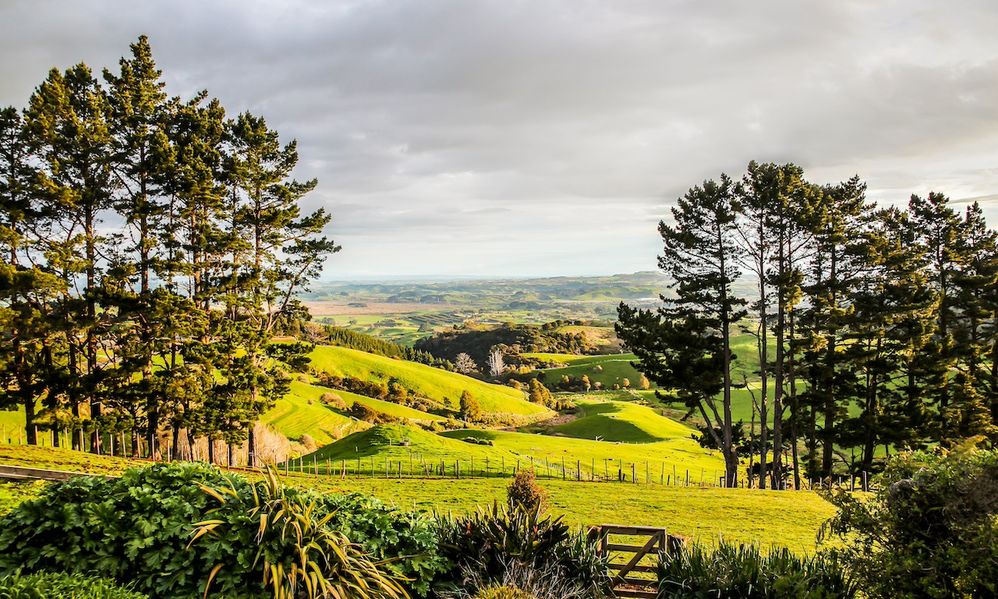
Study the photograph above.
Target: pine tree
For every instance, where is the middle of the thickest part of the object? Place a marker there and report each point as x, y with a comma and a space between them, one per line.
284, 250
67, 125
686, 345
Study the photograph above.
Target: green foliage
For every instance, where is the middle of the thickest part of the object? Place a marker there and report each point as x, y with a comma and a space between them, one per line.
484, 546
469, 408
58, 585
406, 542
297, 551
930, 531
744, 572
134, 529
138, 530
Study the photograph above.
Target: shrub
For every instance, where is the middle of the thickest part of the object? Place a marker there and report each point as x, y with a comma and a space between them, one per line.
692, 572
503, 592
523, 491
333, 400
137, 530
132, 529
405, 541
470, 410
297, 552
930, 531
59, 585
485, 547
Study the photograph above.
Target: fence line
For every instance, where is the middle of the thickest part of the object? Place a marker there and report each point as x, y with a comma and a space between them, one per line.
417, 466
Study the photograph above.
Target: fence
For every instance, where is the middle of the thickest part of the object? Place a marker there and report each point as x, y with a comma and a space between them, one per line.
415, 465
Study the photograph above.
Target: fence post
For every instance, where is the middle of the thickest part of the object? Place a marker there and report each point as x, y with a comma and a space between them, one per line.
866, 485
633, 478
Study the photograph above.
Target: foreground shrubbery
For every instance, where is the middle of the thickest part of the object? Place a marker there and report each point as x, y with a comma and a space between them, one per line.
743, 571
931, 531
517, 546
138, 529
52, 585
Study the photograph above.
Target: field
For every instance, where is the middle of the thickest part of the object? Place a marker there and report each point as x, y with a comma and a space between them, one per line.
769, 518
432, 383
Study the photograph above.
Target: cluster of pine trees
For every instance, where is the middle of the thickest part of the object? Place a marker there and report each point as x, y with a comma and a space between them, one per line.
151, 245
875, 327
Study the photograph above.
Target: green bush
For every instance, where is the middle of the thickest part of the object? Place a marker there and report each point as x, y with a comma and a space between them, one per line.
53, 585
930, 531
137, 530
488, 546
503, 592
297, 552
523, 491
744, 572
406, 541
133, 529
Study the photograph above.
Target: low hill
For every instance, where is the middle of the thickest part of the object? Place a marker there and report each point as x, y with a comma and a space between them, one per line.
608, 370
622, 421
407, 445
432, 383
300, 412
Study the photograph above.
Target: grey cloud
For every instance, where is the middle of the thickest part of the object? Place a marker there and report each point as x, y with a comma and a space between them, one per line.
452, 136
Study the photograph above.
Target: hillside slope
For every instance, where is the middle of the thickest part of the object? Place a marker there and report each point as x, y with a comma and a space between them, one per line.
622, 421
432, 383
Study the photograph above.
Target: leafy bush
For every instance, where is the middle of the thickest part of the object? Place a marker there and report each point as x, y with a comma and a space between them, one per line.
743, 571
523, 491
503, 592
405, 541
487, 547
57, 585
932, 529
133, 529
137, 529
297, 552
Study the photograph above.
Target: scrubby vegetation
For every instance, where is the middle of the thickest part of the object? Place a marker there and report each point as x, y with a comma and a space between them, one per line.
512, 339
744, 571
930, 531
59, 585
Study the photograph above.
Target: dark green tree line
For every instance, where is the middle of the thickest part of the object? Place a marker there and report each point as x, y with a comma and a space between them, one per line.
875, 328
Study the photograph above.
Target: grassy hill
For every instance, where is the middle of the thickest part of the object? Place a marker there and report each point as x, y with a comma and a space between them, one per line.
622, 421
608, 369
432, 383
300, 412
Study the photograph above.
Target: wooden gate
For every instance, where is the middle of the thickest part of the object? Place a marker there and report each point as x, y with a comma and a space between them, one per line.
631, 577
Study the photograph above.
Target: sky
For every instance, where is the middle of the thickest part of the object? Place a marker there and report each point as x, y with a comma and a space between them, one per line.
543, 138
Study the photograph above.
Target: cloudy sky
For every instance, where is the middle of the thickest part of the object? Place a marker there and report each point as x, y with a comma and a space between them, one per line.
461, 137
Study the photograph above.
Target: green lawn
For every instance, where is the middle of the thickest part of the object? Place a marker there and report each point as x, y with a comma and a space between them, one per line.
770, 518
432, 383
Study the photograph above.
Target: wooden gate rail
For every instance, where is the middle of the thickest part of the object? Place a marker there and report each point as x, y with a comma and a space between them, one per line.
659, 540
25, 473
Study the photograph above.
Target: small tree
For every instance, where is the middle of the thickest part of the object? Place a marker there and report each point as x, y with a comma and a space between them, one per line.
538, 393
496, 364
586, 384
523, 491
643, 383
625, 383
470, 410
464, 364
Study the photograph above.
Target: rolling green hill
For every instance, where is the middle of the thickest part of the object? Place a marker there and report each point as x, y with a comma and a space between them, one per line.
432, 383
608, 369
301, 412
620, 421
400, 443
